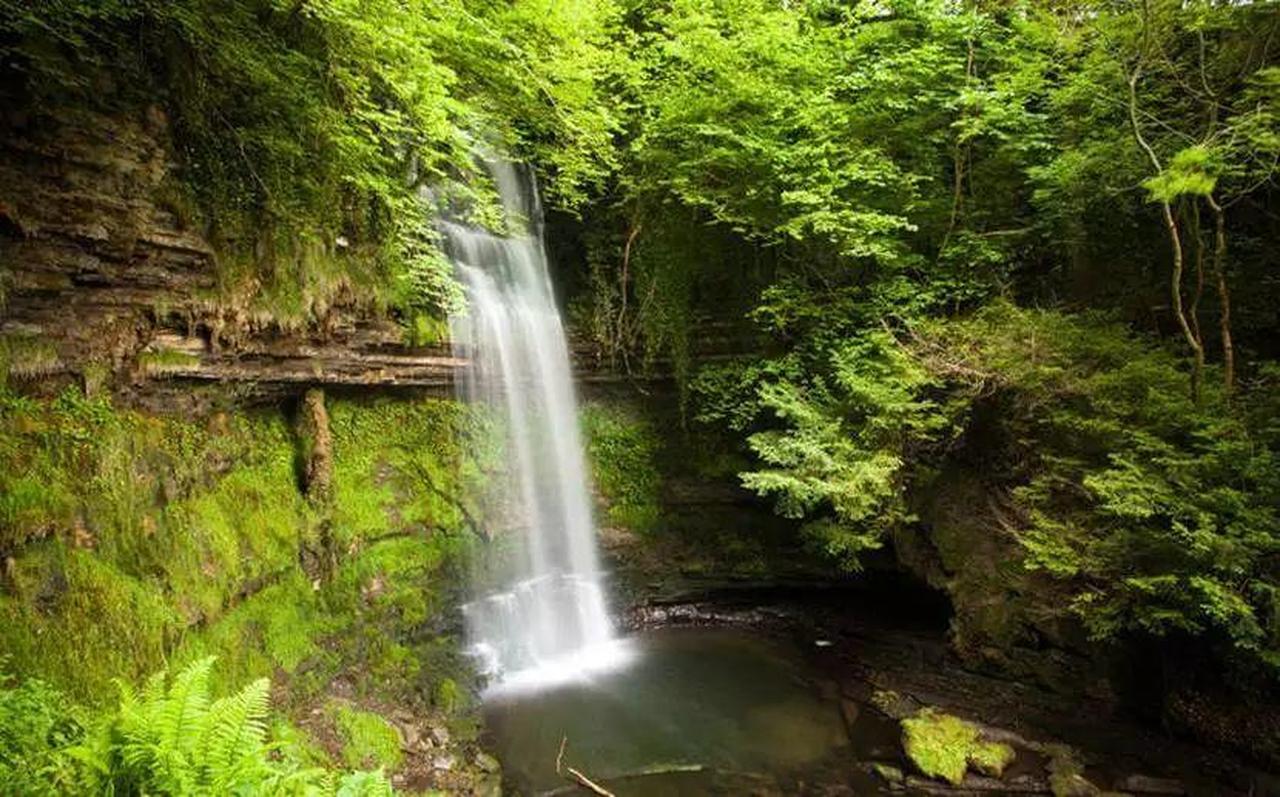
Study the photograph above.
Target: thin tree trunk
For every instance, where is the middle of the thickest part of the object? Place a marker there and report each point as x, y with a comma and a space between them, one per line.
958, 160
1193, 312
1224, 294
1175, 242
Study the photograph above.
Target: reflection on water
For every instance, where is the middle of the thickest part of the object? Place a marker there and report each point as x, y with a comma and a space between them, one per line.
720, 712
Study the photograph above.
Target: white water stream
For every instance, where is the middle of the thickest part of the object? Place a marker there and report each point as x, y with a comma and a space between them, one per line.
551, 624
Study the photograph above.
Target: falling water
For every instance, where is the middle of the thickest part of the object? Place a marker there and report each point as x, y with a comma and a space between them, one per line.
550, 624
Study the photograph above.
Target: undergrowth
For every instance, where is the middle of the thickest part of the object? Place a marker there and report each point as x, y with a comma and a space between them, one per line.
622, 448
174, 736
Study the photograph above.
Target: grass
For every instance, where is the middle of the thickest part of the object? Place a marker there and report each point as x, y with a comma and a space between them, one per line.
165, 361
27, 356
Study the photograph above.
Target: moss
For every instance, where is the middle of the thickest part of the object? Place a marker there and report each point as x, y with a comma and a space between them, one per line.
622, 448
382, 450
138, 541
295, 744
275, 630
393, 576
1066, 773
317, 448
155, 525
79, 622
368, 740
991, 758
944, 746
425, 329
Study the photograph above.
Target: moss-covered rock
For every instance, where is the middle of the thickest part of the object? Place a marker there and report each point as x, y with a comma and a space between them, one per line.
944, 746
622, 447
131, 541
1066, 773
368, 740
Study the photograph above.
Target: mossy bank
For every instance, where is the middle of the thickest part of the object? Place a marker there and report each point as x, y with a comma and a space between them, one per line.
136, 543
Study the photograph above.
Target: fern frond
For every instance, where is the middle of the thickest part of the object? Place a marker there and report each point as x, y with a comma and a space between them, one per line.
180, 723
234, 743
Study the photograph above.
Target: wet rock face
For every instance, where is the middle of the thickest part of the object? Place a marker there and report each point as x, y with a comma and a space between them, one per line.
104, 285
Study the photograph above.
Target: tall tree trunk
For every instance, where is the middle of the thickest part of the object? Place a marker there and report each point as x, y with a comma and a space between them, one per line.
1175, 243
1224, 293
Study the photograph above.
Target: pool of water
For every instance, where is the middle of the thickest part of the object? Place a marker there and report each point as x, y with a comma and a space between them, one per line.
697, 711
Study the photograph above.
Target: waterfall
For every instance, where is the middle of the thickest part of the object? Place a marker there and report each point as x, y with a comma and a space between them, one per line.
550, 622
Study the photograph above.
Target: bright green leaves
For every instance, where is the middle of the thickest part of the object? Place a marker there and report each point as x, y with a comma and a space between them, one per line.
740, 120
1157, 514
1192, 172
174, 737
838, 458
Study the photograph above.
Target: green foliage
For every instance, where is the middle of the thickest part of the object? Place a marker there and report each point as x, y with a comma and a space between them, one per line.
1190, 173
448, 696
36, 728
368, 740
175, 737
944, 746
1160, 513
622, 448
842, 445
1156, 515
172, 737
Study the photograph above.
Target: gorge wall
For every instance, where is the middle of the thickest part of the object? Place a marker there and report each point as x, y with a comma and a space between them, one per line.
105, 283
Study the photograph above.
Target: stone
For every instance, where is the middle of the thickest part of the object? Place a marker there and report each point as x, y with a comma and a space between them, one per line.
1144, 784
894, 705
891, 774
410, 737
440, 735
487, 763
444, 762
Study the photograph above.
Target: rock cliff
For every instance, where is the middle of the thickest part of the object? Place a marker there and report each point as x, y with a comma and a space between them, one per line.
103, 283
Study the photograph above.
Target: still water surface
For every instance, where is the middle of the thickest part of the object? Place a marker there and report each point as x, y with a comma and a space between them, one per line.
713, 711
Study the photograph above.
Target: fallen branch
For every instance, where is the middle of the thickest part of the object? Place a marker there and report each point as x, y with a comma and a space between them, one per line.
576, 776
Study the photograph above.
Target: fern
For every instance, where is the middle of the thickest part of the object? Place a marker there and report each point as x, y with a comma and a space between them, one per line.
235, 735
174, 738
